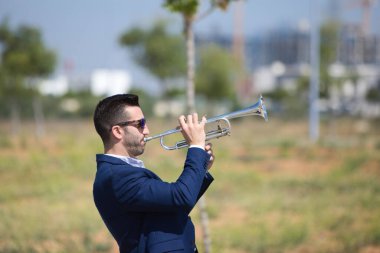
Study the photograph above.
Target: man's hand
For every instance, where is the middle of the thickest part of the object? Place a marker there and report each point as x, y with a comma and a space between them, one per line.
208, 149
192, 130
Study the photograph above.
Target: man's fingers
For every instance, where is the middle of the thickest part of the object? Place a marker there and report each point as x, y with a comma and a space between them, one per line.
182, 121
209, 151
189, 119
192, 119
193, 130
203, 121
195, 118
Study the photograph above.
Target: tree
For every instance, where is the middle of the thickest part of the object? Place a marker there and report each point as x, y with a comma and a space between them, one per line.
24, 58
328, 52
216, 73
161, 53
188, 10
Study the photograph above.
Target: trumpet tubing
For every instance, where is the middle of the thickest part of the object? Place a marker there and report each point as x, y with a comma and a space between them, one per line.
257, 109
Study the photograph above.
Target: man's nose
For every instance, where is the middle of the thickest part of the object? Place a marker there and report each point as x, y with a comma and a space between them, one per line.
146, 130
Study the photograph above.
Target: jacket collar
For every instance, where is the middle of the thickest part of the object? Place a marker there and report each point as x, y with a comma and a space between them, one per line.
108, 159
124, 159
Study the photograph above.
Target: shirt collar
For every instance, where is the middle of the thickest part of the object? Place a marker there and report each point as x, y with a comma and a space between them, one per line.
131, 161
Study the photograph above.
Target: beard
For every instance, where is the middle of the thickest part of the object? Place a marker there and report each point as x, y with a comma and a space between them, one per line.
134, 145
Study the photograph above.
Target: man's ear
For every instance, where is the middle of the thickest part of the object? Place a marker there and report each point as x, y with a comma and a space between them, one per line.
116, 131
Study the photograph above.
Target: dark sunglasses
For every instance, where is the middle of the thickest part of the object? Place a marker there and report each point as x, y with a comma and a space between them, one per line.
141, 123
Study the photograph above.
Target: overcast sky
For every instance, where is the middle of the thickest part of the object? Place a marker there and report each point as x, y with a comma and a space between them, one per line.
86, 32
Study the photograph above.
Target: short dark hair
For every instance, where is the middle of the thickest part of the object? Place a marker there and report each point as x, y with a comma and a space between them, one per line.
110, 111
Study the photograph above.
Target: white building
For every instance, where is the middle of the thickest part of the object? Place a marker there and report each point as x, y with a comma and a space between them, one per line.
110, 82
55, 86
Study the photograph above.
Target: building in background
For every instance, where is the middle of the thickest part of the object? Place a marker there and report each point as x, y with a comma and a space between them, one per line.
358, 48
110, 82
101, 82
56, 86
278, 58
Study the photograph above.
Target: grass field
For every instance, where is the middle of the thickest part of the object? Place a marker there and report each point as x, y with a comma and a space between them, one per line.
274, 191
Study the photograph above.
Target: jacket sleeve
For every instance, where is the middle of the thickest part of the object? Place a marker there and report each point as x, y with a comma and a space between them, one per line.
206, 183
138, 191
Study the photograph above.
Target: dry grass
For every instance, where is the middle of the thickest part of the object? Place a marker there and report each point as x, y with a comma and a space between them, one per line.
274, 190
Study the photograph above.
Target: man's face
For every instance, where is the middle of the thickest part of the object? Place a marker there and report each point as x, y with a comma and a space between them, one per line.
134, 134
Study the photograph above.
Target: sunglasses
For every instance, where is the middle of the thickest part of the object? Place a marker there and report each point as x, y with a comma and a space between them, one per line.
141, 123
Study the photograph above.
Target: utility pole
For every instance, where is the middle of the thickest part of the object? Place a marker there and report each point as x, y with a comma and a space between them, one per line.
242, 84
314, 76
238, 33
366, 16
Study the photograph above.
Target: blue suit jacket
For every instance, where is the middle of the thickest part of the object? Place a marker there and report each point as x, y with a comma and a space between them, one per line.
145, 214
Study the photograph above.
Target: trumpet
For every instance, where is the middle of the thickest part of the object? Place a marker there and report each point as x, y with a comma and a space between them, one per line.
257, 109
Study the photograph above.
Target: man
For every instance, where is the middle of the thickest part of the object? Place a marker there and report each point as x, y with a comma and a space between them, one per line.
142, 212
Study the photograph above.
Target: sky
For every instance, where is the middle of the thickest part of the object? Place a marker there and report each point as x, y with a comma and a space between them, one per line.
86, 32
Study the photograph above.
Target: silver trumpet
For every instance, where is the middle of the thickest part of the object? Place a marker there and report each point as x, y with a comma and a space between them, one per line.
257, 109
